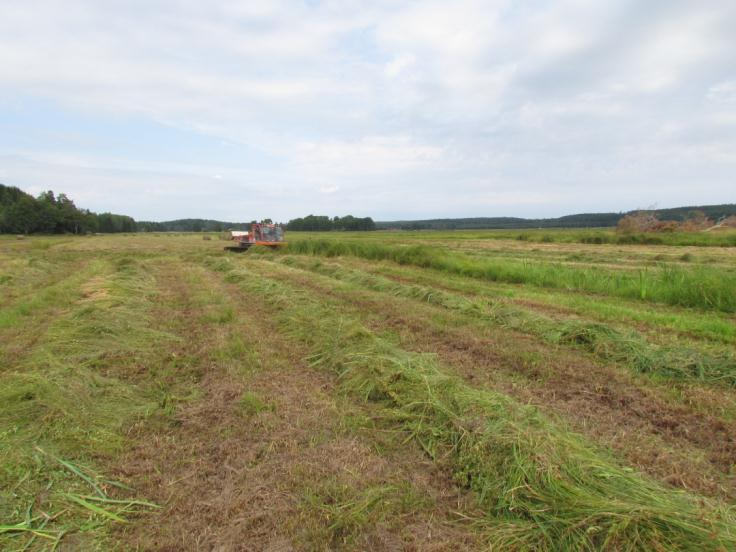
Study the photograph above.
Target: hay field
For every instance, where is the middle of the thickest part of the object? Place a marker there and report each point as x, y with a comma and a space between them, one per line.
386, 390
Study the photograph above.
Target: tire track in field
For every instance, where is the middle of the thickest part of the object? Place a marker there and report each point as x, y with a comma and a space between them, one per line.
670, 442
283, 477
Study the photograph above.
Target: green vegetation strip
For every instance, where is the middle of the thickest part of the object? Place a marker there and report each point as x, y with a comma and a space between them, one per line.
694, 287
628, 348
61, 409
543, 487
711, 326
722, 238
700, 239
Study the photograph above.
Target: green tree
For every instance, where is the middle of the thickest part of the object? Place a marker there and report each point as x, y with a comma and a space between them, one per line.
22, 217
48, 213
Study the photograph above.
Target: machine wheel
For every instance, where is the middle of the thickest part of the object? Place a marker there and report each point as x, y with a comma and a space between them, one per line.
238, 248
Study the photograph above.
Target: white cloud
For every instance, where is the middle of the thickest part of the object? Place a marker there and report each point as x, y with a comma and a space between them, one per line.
369, 155
399, 64
723, 92
375, 100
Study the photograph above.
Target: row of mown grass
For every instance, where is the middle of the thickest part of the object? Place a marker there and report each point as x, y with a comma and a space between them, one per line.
351, 481
613, 260
711, 326
21, 275
63, 408
542, 486
611, 405
628, 348
697, 287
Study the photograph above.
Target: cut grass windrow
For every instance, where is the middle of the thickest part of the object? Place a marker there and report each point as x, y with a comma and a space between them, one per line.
60, 293
62, 407
628, 348
696, 287
23, 276
712, 326
542, 487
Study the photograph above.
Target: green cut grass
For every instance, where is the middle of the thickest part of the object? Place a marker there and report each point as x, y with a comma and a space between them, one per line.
61, 409
711, 326
542, 486
696, 287
628, 348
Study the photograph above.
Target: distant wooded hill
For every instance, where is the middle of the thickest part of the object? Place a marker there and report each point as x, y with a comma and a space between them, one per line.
583, 220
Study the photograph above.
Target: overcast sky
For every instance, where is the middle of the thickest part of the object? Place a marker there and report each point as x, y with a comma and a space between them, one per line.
240, 109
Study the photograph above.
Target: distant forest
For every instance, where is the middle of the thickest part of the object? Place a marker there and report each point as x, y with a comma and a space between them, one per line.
191, 225
322, 223
584, 220
21, 213
308, 223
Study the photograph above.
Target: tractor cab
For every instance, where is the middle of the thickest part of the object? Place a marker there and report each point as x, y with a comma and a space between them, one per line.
268, 235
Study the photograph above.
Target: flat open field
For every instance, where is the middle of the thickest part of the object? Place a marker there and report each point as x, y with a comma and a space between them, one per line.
377, 391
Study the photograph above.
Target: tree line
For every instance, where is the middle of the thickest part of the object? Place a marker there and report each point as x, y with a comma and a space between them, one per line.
582, 220
313, 223
49, 213
191, 225
21, 213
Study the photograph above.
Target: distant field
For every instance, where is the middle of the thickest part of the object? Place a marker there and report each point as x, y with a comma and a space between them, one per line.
522, 390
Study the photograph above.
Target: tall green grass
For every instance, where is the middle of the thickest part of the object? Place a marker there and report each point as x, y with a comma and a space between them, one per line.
695, 287
628, 348
543, 487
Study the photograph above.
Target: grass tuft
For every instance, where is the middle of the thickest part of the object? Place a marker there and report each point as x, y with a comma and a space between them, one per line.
251, 404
